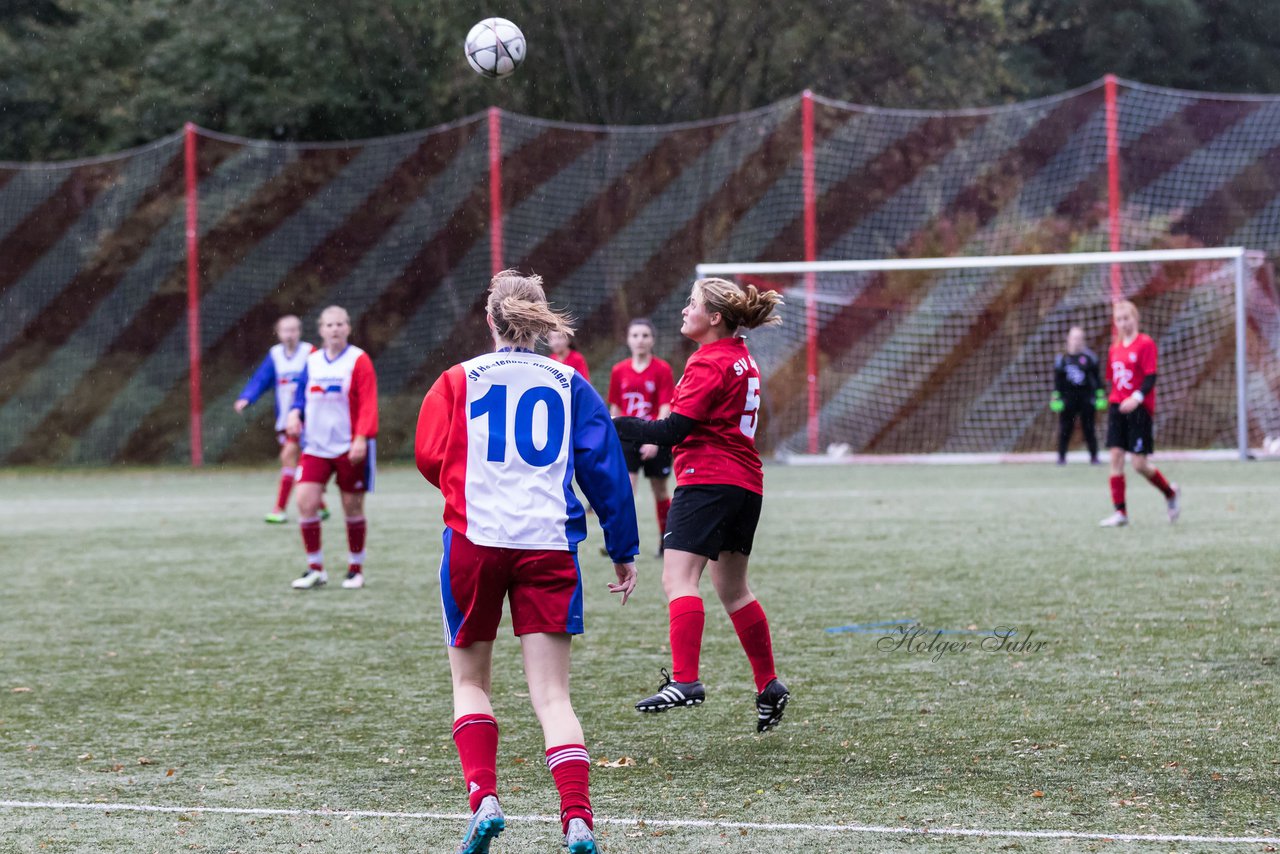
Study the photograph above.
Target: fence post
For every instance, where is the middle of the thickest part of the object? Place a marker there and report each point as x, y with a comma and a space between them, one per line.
810, 254
495, 189
193, 296
1113, 179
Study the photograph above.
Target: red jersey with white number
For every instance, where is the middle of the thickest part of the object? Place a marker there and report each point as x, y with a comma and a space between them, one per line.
639, 394
575, 360
1128, 365
720, 389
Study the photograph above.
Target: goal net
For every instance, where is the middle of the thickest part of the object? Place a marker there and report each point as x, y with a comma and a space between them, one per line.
955, 355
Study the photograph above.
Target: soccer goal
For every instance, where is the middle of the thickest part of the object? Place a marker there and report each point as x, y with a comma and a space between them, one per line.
955, 355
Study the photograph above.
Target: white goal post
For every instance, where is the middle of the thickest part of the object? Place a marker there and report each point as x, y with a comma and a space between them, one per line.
983, 292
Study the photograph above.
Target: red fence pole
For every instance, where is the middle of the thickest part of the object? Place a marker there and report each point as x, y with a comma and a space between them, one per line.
810, 254
1113, 179
495, 189
193, 297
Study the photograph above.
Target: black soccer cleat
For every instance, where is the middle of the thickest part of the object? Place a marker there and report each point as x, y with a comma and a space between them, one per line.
770, 704
672, 694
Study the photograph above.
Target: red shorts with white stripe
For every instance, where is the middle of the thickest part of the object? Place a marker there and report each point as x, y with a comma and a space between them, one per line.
544, 588
351, 477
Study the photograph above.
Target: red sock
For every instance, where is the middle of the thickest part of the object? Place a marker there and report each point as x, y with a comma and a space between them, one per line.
477, 739
311, 540
356, 528
752, 627
687, 619
570, 766
286, 487
664, 507
1158, 481
1117, 491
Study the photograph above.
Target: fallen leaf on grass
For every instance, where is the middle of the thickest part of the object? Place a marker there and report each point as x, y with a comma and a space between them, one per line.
84, 757
22, 689
1215, 776
1037, 794
622, 762
169, 773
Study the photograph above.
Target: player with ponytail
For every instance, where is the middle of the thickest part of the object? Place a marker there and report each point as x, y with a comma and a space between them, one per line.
719, 484
503, 436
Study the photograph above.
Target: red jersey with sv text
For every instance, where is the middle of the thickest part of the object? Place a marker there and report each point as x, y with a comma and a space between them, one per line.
720, 389
1128, 365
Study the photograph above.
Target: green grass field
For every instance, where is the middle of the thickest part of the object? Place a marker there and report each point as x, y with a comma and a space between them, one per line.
152, 653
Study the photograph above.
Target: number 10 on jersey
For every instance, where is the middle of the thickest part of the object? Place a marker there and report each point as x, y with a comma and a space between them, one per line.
494, 406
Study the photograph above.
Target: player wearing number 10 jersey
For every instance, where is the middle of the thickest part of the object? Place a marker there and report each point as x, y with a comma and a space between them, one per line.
503, 436
719, 482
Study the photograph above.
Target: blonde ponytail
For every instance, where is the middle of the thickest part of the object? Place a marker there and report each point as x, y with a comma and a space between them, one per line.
747, 307
518, 306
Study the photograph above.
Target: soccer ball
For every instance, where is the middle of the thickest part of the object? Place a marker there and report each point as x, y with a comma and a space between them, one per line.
495, 47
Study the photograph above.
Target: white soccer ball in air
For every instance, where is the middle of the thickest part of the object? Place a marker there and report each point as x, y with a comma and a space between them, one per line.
495, 47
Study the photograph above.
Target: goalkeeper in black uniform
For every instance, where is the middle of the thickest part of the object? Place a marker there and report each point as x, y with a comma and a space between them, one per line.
1077, 391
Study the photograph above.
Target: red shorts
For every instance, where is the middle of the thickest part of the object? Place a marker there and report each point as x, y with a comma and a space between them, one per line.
351, 478
544, 588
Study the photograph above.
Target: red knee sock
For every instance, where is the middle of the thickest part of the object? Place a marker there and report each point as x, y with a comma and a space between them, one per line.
1158, 481
311, 541
570, 766
1117, 491
286, 487
664, 507
356, 529
752, 627
477, 739
687, 619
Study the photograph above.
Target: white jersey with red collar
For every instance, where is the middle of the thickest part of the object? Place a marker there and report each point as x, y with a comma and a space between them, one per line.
339, 399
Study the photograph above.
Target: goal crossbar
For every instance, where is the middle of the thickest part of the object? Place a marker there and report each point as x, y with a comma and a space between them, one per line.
957, 262
810, 269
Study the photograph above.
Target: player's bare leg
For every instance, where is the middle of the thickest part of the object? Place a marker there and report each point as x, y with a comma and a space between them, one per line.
1120, 517
662, 504
546, 668
729, 577
681, 572
475, 732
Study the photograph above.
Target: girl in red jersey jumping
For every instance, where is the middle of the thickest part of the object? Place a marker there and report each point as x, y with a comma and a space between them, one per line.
642, 387
719, 483
1131, 371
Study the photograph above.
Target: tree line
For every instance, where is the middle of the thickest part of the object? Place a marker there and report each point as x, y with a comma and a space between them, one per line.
84, 77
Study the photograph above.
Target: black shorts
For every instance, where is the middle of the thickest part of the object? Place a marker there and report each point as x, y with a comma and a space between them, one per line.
659, 466
1131, 432
708, 520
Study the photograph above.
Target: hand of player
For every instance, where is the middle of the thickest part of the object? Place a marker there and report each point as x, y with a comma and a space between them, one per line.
293, 425
648, 452
359, 449
241, 404
1128, 405
626, 580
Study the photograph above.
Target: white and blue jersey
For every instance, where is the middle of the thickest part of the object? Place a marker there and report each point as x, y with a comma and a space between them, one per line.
278, 371
505, 435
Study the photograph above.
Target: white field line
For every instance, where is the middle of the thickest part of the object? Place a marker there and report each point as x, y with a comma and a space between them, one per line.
635, 822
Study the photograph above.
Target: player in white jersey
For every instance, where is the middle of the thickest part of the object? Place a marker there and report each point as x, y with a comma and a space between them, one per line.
337, 399
503, 436
279, 372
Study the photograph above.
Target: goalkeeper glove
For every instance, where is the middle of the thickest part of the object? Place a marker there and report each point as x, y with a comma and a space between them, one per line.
1100, 401
1055, 402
